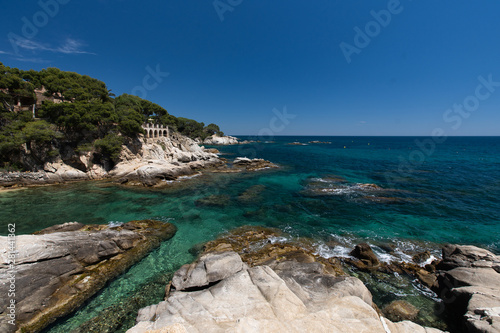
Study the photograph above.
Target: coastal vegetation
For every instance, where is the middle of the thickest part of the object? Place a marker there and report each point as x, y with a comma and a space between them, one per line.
49, 111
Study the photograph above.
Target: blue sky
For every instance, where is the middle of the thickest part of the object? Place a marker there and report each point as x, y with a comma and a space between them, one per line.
232, 62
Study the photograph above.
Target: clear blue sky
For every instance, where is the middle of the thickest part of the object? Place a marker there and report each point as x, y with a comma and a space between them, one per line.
271, 54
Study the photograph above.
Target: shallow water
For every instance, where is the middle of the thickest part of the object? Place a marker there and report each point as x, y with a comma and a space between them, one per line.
451, 197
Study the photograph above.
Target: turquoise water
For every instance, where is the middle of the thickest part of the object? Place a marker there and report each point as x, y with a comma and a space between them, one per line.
449, 195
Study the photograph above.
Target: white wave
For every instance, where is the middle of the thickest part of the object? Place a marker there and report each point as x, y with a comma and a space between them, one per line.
190, 176
278, 239
328, 252
113, 224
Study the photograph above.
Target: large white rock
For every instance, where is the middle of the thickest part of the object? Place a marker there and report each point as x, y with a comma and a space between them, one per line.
258, 300
220, 140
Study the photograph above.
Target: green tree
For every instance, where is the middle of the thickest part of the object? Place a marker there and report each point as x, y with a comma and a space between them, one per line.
110, 145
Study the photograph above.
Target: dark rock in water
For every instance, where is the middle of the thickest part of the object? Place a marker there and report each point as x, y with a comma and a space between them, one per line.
469, 283
116, 318
428, 279
421, 257
387, 247
196, 249
400, 310
252, 194
57, 271
258, 245
253, 164
365, 254
212, 150
385, 200
259, 213
215, 200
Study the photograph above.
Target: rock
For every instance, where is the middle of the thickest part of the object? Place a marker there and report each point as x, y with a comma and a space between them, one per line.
322, 142
210, 268
400, 310
220, 140
292, 297
142, 161
466, 256
369, 187
253, 164
365, 254
469, 282
385, 200
212, 150
214, 200
259, 245
421, 257
428, 279
57, 270
252, 194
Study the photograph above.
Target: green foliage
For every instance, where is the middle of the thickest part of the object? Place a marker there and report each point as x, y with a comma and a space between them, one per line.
212, 129
84, 147
110, 145
93, 117
39, 132
80, 111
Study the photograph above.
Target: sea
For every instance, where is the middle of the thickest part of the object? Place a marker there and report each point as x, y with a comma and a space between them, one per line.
402, 195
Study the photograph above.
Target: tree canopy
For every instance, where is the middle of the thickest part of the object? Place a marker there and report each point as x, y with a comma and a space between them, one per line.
78, 111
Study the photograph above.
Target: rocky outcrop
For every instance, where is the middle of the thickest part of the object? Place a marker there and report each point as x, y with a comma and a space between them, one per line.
365, 254
150, 161
209, 269
143, 161
59, 268
252, 164
469, 284
220, 140
291, 296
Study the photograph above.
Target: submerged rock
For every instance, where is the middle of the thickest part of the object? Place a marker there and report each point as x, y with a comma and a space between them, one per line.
58, 269
214, 200
400, 310
252, 194
253, 164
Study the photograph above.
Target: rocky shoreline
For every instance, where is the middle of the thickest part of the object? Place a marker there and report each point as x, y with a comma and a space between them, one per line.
247, 282
143, 162
252, 279
59, 268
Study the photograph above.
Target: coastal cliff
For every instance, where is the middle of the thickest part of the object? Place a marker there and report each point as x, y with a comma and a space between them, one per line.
142, 160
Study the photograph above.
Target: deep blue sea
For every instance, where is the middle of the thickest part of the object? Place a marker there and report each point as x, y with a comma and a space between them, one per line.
410, 192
